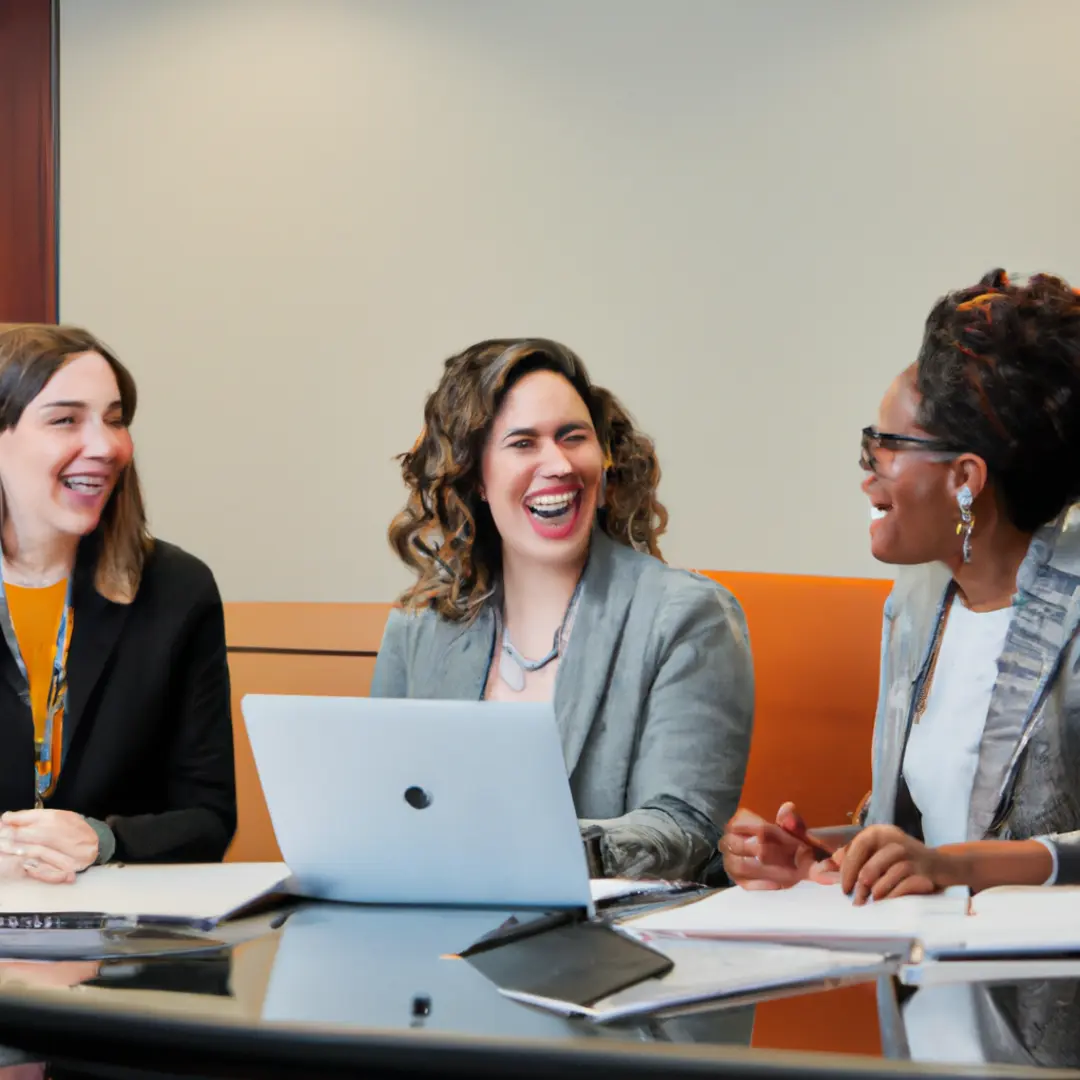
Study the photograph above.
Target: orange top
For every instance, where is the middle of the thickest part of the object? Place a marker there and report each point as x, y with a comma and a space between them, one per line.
35, 615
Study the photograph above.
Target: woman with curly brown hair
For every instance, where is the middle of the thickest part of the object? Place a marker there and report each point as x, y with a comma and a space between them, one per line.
532, 524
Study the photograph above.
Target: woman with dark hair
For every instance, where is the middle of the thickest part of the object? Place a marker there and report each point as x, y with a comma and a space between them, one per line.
973, 472
114, 690
532, 524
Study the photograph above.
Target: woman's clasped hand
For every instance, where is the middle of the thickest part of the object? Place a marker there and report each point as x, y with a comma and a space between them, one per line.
48, 845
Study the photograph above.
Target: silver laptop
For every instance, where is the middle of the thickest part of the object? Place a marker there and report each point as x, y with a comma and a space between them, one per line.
388, 801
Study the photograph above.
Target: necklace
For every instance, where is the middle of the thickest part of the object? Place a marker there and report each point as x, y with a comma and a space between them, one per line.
513, 666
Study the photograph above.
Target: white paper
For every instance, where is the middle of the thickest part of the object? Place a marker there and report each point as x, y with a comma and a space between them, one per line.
201, 893
1015, 920
809, 914
621, 888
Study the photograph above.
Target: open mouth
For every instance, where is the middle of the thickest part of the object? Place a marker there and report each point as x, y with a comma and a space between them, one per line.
552, 509
879, 511
85, 485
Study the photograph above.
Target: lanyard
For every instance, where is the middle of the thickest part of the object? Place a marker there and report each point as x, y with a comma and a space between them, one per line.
47, 749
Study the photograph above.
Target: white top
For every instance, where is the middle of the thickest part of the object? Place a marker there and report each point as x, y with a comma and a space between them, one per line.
943, 748
939, 767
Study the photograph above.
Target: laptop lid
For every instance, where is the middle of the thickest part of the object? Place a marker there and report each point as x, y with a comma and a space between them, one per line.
398, 801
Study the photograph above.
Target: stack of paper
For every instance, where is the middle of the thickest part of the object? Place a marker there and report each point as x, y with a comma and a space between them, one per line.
1013, 921
997, 923
810, 914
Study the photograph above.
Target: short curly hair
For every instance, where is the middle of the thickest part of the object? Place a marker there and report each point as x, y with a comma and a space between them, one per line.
446, 533
999, 375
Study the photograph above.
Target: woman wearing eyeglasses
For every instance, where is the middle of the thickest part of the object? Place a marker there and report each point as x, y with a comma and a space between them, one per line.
972, 472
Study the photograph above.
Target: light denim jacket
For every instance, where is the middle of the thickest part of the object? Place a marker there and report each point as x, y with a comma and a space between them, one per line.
1027, 783
654, 699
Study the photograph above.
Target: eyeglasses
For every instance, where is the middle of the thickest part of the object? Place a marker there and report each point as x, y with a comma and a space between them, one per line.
874, 440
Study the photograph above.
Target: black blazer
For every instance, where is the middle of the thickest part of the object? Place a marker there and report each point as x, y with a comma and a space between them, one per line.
147, 725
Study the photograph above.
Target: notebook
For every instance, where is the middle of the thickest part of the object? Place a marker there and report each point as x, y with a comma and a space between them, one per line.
809, 914
194, 895
1000, 922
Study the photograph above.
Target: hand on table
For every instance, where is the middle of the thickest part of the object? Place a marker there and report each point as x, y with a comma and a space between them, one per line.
761, 855
60, 974
883, 862
52, 845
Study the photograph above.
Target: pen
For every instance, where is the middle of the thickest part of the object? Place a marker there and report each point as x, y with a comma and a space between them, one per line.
801, 833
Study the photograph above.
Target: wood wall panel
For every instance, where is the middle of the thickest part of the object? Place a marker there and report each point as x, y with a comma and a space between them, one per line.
27, 163
344, 676
309, 627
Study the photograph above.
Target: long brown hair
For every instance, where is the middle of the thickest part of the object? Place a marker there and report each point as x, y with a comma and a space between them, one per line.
30, 355
446, 533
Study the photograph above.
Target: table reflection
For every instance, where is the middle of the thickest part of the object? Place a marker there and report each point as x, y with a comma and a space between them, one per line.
364, 969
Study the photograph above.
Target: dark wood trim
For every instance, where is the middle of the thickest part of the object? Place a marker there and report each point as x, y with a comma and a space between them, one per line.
266, 650
28, 163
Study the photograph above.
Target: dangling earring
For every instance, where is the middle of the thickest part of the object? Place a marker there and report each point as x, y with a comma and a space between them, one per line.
967, 520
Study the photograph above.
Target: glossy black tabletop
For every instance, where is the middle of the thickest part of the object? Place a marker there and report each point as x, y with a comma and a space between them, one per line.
331, 990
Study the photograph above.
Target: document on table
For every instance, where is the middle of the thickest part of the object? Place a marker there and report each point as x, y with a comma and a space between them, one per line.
1001, 922
196, 895
707, 971
813, 915
1016, 921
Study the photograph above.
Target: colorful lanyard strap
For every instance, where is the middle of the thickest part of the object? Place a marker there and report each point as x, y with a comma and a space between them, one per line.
47, 749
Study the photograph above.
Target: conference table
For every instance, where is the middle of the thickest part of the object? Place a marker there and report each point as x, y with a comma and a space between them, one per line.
329, 990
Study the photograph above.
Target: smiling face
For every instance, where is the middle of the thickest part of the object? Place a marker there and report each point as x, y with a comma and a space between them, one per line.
61, 462
541, 470
912, 490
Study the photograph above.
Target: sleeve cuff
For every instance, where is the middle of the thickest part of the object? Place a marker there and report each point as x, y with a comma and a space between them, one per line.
1052, 848
106, 840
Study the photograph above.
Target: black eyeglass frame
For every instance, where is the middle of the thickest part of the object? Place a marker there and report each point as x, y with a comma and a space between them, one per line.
871, 435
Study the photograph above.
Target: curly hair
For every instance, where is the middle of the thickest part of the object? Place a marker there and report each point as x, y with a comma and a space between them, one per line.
999, 374
446, 533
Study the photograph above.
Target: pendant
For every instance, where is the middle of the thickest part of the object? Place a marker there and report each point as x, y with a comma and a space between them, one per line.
510, 672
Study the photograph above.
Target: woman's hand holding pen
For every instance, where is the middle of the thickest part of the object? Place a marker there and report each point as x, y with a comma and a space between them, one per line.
759, 854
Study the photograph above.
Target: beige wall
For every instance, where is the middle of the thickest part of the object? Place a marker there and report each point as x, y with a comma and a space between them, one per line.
285, 213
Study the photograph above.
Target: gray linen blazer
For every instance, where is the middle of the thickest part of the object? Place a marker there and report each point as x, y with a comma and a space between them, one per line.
654, 701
